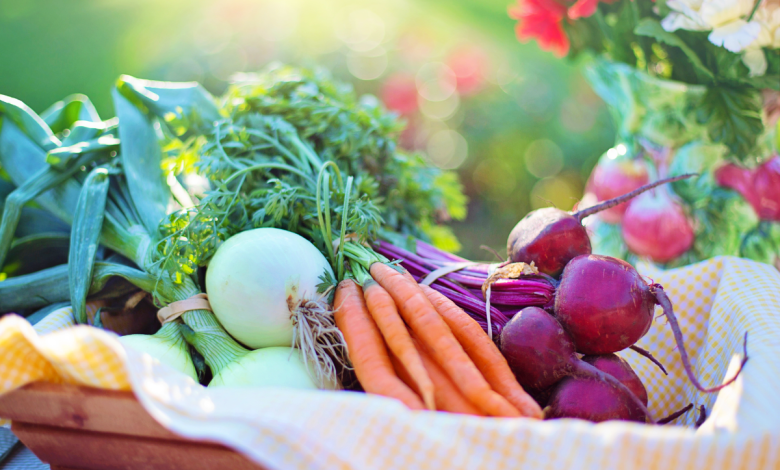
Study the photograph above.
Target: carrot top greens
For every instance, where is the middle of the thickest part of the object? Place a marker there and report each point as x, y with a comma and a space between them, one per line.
297, 150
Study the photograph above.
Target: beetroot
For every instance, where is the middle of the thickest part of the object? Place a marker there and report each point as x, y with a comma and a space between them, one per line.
618, 368
594, 399
760, 187
655, 226
540, 353
537, 348
550, 237
605, 306
603, 303
611, 178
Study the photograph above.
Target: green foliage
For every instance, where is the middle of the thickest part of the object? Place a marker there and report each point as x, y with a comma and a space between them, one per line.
630, 32
359, 135
652, 28
280, 159
733, 117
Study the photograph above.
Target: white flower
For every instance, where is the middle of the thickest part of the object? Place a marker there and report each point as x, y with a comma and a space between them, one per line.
768, 18
725, 18
735, 35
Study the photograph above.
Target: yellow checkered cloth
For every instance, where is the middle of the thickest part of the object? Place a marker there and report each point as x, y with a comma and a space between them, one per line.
716, 302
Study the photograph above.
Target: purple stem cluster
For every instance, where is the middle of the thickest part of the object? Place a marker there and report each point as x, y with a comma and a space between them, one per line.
464, 287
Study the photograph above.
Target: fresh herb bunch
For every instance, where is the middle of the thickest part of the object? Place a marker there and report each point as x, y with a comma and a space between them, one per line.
298, 151
360, 135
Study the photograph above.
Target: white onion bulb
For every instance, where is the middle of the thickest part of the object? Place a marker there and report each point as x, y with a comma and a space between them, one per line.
254, 279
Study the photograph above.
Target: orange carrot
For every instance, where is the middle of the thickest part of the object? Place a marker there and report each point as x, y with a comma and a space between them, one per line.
367, 349
393, 328
448, 397
433, 331
486, 356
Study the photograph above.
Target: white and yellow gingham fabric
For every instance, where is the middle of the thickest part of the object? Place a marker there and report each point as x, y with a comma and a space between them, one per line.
716, 302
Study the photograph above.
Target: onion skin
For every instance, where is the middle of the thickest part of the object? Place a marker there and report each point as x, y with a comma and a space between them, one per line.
618, 368
603, 304
549, 238
760, 187
613, 178
655, 226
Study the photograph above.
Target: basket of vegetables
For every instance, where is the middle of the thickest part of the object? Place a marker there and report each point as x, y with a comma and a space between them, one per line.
278, 230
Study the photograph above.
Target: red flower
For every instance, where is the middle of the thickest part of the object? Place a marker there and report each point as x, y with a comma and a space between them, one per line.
541, 20
585, 8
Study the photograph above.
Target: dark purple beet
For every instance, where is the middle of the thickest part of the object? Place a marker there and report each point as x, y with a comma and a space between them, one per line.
593, 399
540, 353
537, 348
618, 368
550, 237
541, 397
603, 303
605, 306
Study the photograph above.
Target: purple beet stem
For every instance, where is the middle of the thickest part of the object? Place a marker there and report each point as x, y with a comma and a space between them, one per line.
464, 287
430, 251
666, 304
579, 215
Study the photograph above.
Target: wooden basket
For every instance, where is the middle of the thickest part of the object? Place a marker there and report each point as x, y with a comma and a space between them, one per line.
82, 428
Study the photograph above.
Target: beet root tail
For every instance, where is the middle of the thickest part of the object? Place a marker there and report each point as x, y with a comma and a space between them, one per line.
666, 304
702, 416
647, 354
609, 203
675, 415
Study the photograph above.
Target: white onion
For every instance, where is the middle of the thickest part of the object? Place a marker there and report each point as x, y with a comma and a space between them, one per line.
167, 346
254, 279
268, 367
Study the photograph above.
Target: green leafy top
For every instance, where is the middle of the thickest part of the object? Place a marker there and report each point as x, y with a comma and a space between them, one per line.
298, 151
360, 136
631, 32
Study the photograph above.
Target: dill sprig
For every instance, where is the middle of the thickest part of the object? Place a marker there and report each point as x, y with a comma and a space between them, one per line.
297, 151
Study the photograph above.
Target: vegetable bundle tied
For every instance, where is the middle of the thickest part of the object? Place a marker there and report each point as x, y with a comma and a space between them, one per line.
431, 344
285, 149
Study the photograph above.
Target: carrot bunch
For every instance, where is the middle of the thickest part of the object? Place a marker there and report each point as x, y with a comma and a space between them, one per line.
407, 341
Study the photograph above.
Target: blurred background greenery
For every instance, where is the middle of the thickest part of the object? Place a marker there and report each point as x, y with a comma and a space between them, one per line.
522, 128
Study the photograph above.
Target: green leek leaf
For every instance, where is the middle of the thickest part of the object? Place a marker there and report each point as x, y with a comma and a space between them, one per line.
142, 163
44, 180
169, 100
22, 158
63, 114
84, 236
35, 252
51, 285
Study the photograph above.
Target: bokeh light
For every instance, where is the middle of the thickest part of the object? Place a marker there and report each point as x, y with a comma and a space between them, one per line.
447, 149
543, 158
517, 124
